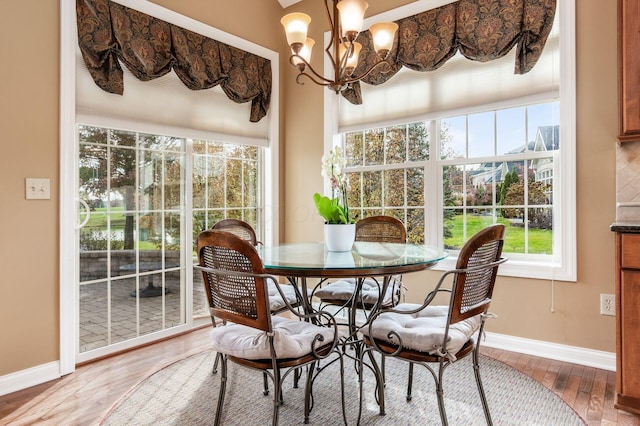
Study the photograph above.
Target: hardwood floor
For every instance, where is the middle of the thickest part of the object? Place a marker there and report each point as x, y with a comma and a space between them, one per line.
84, 397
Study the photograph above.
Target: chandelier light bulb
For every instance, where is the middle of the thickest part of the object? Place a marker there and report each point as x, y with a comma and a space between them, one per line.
351, 17
383, 34
295, 27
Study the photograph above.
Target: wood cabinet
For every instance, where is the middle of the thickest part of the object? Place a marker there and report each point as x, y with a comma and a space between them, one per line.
629, 70
628, 321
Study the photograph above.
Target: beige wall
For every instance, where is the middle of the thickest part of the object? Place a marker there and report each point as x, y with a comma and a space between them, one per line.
29, 112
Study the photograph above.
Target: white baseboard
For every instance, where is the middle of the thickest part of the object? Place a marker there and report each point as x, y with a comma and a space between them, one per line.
30, 377
572, 354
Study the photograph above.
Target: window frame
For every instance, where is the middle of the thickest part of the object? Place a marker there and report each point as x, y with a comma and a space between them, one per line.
562, 265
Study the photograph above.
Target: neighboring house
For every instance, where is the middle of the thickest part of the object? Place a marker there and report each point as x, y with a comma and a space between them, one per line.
547, 139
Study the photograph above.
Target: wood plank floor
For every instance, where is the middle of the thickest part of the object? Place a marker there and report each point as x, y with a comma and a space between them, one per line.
83, 398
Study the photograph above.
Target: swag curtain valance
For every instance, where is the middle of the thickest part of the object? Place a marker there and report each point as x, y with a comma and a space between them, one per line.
481, 30
150, 48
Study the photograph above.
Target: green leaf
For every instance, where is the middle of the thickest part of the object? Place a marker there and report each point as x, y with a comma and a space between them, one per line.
329, 209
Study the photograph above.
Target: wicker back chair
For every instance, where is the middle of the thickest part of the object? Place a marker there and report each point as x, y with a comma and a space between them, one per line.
426, 334
277, 303
235, 282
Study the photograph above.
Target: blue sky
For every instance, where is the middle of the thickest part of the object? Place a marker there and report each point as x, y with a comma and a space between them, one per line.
513, 128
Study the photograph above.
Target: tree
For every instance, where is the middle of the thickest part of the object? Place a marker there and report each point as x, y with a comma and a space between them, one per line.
509, 179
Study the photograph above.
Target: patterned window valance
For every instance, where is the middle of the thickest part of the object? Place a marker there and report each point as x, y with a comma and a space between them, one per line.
109, 33
482, 30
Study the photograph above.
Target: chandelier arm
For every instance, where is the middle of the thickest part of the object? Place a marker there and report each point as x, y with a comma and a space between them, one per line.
308, 66
310, 77
367, 72
330, 18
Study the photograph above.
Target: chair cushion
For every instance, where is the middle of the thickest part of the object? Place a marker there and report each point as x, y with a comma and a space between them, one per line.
423, 331
292, 339
343, 290
275, 299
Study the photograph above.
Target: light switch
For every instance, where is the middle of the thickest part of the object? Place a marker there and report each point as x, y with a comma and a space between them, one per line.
38, 188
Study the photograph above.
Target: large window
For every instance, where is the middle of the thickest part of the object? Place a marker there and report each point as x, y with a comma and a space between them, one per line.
469, 144
488, 167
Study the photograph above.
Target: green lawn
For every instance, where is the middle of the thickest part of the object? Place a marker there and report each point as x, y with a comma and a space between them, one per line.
98, 222
540, 240
98, 219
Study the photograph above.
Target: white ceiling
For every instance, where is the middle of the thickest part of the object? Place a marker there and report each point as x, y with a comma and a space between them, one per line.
287, 3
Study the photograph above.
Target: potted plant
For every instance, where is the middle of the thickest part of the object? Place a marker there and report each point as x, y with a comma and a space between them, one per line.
339, 228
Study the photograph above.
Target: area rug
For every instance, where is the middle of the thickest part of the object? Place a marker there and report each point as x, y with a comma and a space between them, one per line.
186, 393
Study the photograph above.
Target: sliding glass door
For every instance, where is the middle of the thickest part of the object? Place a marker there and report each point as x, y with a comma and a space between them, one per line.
131, 241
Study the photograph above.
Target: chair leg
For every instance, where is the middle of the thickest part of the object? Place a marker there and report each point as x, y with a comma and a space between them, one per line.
483, 398
410, 382
277, 395
215, 363
308, 391
440, 395
379, 382
265, 380
223, 387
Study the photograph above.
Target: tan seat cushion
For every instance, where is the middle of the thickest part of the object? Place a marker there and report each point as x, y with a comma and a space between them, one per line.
275, 299
292, 339
423, 331
343, 290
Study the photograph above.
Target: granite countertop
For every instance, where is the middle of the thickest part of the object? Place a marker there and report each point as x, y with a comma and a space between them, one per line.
630, 226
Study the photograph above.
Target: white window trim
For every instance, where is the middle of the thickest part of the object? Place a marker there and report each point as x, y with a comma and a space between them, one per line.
68, 167
564, 266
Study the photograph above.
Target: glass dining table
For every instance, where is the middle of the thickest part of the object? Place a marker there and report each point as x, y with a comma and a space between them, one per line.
299, 261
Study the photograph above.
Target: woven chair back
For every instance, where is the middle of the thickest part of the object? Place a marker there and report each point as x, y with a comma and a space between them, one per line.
234, 292
384, 229
472, 290
237, 227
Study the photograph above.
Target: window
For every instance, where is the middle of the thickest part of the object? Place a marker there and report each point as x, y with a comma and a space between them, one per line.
493, 166
470, 144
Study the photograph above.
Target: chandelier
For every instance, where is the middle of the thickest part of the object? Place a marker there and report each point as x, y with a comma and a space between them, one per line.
345, 18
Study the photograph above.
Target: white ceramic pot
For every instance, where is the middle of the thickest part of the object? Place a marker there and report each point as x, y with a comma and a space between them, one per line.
339, 237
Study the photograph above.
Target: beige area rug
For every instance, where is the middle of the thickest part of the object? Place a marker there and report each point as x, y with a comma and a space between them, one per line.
186, 393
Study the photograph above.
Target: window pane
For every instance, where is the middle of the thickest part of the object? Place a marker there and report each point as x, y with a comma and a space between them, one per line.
353, 189
396, 144
511, 189
453, 137
199, 181
394, 188
234, 183
541, 183
122, 138
92, 134
372, 189
215, 181
453, 228
540, 230
353, 149
415, 186
415, 226
511, 130
481, 179
173, 181
453, 185
250, 184
374, 143
481, 134
418, 141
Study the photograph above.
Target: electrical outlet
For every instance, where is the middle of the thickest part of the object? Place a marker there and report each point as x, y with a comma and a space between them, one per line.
607, 304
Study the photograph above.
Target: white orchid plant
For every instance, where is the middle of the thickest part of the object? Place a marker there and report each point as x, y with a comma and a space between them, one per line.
334, 210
